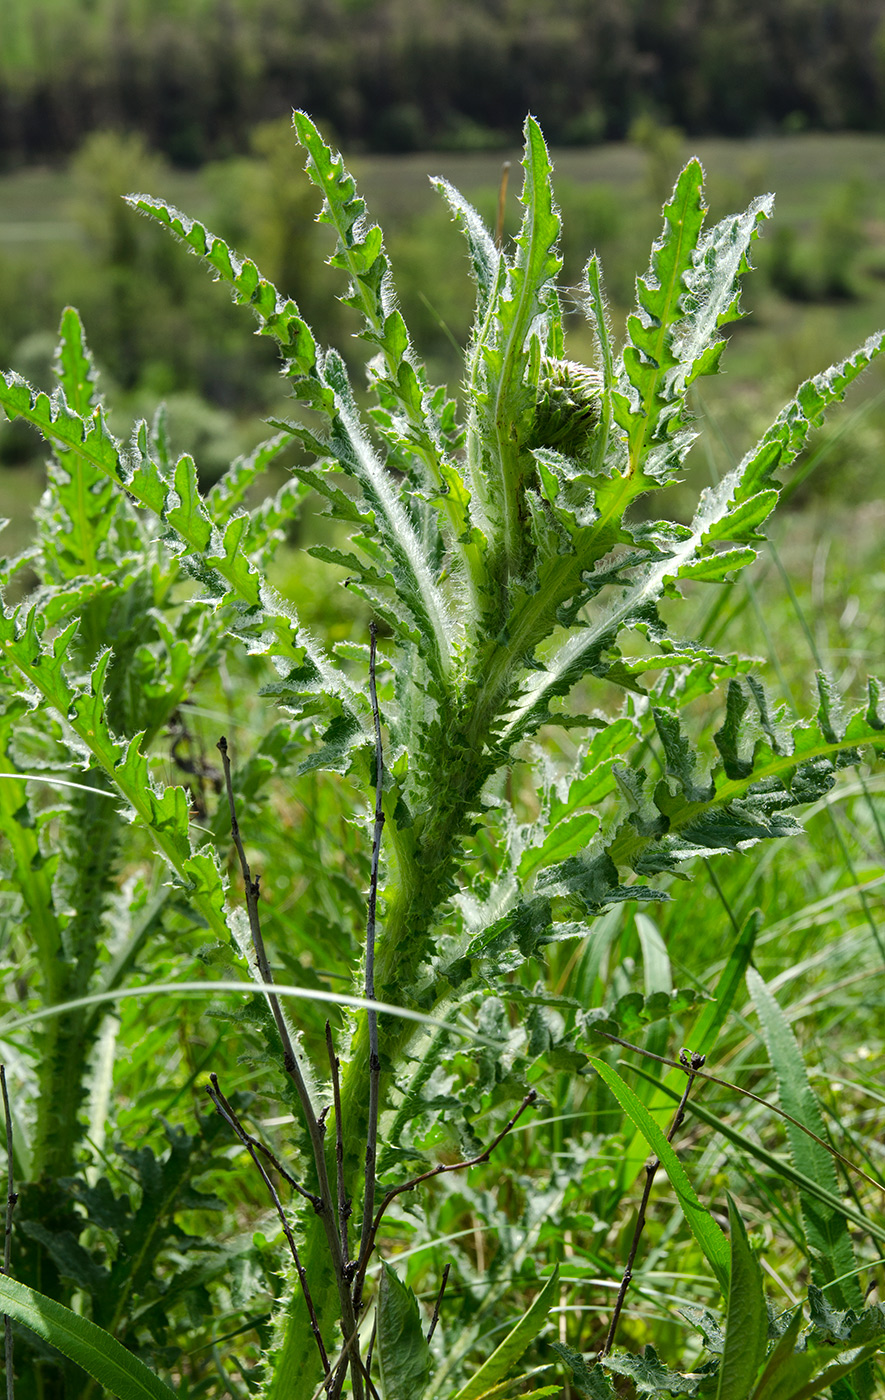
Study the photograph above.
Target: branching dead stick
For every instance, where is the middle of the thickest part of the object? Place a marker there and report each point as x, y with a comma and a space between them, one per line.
438, 1304
275, 1162
338, 1365
293, 1069
374, 1058
441, 1170
229, 1115
369, 1351
11, 1199
344, 1207
691, 1064
736, 1089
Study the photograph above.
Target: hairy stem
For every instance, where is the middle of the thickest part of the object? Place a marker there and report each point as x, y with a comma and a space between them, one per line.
372, 1015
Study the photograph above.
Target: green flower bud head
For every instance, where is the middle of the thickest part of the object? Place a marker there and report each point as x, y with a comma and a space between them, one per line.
568, 406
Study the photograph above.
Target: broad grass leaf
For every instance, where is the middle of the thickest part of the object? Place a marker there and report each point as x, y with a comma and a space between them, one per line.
700, 1039
772, 1379
709, 1237
96, 1351
781, 1166
514, 1344
795, 1384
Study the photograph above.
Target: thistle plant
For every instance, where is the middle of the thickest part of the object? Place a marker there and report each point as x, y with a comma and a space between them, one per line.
514, 588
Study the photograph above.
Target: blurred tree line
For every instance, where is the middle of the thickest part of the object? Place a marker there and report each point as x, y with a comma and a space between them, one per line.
194, 76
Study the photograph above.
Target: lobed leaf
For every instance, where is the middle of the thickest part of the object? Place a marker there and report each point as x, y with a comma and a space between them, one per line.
651, 411
506, 356
279, 317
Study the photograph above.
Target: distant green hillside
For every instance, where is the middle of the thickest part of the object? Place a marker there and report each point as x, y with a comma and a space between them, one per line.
159, 333
195, 75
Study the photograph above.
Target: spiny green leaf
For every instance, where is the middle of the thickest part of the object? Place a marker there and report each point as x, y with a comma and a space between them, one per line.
597, 313
506, 361
74, 364
751, 803
403, 1353
230, 490
279, 318
655, 414
590, 1381
845, 1328
188, 517
649, 1374
829, 1240
416, 586
413, 431
485, 258
712, 297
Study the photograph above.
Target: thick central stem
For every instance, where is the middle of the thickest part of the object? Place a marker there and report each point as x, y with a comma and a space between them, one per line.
411, 908
421, 886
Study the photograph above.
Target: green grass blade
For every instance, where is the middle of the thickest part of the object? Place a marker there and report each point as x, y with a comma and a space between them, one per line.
746, 1329
700, 1039
280, 989
514, 1344
710, 1238
769, 1381
833, 1374
713, 1015
96, 1351
780, 1165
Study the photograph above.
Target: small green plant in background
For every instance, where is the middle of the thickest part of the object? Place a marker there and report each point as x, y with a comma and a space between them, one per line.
515, 593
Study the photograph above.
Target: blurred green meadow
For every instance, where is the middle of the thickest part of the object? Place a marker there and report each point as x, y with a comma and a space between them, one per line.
158, 334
